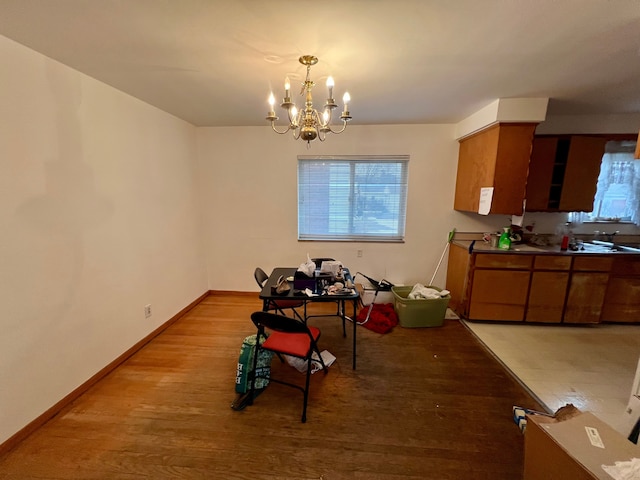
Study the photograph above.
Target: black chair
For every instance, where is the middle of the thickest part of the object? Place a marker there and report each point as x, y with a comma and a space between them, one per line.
280, 305
318, 261
286, 336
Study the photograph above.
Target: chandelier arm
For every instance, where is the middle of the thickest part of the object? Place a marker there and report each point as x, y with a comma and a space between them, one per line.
279, 132
344, 126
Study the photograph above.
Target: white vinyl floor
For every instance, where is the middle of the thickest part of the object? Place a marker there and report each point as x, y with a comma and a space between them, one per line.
591, 367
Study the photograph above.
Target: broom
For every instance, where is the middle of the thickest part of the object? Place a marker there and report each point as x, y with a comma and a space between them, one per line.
446, 246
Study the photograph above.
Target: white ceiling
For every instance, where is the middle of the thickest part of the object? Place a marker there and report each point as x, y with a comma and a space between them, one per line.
214, 62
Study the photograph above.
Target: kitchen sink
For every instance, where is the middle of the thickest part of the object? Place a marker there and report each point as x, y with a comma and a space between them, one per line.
597, 246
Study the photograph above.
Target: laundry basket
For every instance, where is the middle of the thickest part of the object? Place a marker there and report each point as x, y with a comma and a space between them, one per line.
424, 312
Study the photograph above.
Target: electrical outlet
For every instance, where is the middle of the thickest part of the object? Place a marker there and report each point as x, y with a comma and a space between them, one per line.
147, 311
359, 253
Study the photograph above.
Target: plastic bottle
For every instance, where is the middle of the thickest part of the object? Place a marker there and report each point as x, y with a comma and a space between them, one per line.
565, 243
505, 241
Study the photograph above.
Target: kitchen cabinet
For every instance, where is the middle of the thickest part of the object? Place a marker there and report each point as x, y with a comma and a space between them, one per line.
623, 291
499, 287
496, 157
563, 173
544, 287
548, 288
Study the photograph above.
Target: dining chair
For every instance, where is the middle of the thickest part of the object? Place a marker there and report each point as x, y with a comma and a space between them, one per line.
277, 305
318, 261
284, 335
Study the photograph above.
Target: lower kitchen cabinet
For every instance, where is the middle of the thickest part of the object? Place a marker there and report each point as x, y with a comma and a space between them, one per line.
546, 296
623, 291
623, 300
587, 289
499, 287
499, 295
548, 288
586, 297
544, 288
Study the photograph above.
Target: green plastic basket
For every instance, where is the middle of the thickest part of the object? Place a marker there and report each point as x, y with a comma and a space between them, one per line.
427, 312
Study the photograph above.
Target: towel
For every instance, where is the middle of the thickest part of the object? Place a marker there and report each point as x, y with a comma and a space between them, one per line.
420, 291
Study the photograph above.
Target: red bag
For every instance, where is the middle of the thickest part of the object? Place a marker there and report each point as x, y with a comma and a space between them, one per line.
382, 318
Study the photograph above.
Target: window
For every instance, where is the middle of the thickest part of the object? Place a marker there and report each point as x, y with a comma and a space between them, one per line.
618, 191
352, 198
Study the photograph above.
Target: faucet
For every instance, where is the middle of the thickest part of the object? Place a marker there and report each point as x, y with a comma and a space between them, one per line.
607, 236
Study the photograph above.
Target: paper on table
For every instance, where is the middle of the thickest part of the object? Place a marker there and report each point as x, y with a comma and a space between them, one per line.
486, 196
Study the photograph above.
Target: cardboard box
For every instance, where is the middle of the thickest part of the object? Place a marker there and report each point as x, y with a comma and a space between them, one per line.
631, 415
575, 448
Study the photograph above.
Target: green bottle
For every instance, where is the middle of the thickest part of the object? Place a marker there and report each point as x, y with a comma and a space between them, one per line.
505, 241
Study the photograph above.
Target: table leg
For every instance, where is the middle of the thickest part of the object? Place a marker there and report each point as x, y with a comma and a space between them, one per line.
355, 306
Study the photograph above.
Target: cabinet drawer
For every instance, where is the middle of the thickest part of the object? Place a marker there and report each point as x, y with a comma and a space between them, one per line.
503, 260
552, 262
592, 264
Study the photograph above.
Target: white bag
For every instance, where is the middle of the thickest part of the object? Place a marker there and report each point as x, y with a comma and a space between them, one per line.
308, 267
301, 365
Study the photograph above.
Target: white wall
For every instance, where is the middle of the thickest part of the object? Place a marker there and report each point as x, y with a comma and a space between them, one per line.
248, 186
99, 218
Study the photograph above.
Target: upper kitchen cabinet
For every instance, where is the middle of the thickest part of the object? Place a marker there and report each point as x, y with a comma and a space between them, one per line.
563, 173
496, 157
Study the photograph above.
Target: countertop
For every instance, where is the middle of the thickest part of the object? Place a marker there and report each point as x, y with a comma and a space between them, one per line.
522, 248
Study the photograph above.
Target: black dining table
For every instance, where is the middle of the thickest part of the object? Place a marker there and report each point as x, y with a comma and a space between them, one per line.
267, 295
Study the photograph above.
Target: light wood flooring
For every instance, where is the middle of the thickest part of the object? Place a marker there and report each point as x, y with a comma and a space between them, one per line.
426, 403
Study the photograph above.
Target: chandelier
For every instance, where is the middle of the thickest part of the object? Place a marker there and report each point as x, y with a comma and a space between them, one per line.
309, 123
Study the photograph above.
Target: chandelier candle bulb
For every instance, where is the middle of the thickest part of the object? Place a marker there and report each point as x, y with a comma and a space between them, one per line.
287, 87
330, 85
346, 99
272, 102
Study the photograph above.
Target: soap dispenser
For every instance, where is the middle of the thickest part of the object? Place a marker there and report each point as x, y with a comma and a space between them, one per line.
505, 239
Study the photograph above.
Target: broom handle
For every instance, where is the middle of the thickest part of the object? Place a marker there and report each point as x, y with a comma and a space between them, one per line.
438, 267
449, 239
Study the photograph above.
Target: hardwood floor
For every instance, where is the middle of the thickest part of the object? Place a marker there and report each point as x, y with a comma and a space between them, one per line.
427, 403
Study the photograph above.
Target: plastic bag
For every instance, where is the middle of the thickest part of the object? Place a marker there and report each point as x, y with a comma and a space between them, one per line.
308, 267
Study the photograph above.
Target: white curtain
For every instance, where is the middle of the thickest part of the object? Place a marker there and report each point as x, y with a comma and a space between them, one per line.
619, 171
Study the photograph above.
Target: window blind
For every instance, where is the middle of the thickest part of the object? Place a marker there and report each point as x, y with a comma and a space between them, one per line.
352, 198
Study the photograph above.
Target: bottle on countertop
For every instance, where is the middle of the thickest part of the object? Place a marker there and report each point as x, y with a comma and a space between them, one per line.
564, 242
505, 239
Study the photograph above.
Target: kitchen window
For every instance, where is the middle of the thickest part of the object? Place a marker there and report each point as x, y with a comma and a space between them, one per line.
352, 198
618, 192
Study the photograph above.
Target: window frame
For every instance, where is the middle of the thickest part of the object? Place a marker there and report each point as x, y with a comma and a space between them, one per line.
400, 206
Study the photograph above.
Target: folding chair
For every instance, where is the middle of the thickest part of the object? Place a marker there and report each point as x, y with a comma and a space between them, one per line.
277, 305
286, 336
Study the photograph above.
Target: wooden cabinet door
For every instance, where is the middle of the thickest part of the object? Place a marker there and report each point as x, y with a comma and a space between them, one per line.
457, 278
586, 297
543, 155
546, 296
622, 301
498, 295
496, 157
563, 173
581, 174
